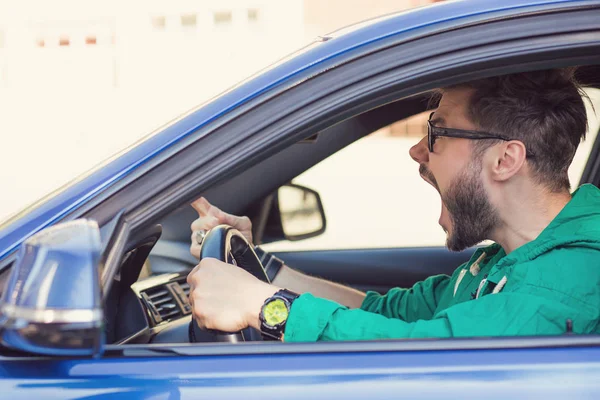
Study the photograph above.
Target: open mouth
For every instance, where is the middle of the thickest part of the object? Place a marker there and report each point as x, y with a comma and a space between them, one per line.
428, 176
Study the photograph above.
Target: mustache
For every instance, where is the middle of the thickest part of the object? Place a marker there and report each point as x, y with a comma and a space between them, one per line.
424, 171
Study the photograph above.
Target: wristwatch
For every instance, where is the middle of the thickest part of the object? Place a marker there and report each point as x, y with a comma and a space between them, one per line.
274, 314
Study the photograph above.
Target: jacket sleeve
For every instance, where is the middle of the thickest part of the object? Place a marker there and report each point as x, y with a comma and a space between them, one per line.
418, 302
312, 319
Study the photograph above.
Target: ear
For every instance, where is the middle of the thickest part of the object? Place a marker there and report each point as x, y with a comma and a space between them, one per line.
508, 160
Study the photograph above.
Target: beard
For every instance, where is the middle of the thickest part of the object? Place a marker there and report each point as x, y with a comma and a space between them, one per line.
471, 213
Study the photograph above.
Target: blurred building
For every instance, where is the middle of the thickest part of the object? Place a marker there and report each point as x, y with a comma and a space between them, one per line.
160, 44
144, 43
83, 79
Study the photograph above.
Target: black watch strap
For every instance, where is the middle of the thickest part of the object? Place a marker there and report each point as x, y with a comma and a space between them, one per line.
271, 263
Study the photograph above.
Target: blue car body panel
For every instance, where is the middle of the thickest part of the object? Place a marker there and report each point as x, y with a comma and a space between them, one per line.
465, 374
295, 69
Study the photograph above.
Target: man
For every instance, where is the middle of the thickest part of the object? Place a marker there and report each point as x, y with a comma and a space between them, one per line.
497, 151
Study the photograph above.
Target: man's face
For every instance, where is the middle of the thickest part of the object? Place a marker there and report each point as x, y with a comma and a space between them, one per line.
467, 215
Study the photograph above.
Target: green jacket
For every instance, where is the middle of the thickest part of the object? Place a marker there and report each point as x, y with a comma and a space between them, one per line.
532, 291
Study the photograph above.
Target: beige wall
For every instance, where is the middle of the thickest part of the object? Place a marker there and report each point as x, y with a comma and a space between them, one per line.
90, 100
321, 17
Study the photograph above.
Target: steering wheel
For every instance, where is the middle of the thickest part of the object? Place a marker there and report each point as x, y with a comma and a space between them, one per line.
228, 245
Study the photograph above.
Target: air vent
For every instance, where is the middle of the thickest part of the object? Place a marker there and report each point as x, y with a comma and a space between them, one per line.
186, 288
163, 301
182, 291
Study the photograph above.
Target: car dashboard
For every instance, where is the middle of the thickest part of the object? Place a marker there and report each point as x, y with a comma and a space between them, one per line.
155, 310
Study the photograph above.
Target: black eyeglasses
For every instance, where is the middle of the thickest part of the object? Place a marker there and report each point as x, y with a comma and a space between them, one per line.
433, 132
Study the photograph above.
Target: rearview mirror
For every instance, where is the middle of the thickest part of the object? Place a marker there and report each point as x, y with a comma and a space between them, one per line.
51, 304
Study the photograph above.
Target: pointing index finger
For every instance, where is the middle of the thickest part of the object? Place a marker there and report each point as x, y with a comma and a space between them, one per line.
202, 206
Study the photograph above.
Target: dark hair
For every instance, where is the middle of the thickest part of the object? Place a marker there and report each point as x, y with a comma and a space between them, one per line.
542, 109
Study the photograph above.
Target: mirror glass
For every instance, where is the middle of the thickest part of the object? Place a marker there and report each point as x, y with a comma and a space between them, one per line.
52, 302
300, 211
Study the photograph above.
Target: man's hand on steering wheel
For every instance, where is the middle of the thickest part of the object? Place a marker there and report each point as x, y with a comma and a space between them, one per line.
210, 216
226, 297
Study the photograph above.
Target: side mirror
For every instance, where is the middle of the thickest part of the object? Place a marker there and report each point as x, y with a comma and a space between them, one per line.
51, 303
293, 212
301, 212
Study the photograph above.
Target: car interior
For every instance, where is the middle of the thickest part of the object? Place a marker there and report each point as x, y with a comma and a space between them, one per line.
147, 301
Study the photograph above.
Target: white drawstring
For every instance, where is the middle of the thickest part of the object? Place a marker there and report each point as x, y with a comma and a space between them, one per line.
461, 275
500, 285
475, 266
474, 269
481, 285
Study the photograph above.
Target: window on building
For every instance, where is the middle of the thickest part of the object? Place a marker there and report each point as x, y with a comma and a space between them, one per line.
223, 17
189, 20
159, 22
252, 15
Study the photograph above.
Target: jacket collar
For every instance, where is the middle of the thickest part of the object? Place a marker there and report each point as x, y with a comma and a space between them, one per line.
578, 223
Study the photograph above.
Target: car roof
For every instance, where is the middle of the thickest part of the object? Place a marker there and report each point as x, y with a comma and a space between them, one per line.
318, 56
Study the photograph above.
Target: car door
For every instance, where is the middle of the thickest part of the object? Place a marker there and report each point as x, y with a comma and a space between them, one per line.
554, 369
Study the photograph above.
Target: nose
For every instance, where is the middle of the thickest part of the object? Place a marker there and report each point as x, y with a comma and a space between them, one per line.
419, 152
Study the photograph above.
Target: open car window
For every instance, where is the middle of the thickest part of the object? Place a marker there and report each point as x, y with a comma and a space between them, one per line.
373, 186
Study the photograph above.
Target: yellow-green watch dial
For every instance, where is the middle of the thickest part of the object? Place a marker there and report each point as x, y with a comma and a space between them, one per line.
275, 312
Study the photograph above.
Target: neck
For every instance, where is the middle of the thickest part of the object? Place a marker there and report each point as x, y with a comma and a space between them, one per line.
524, 216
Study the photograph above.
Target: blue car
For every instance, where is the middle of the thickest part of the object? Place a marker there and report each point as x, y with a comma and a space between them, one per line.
94, 294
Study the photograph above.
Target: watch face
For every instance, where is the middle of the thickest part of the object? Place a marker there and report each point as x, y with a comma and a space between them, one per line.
275, 312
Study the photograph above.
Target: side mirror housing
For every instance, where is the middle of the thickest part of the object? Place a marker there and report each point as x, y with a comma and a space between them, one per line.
51, 304
296, 213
